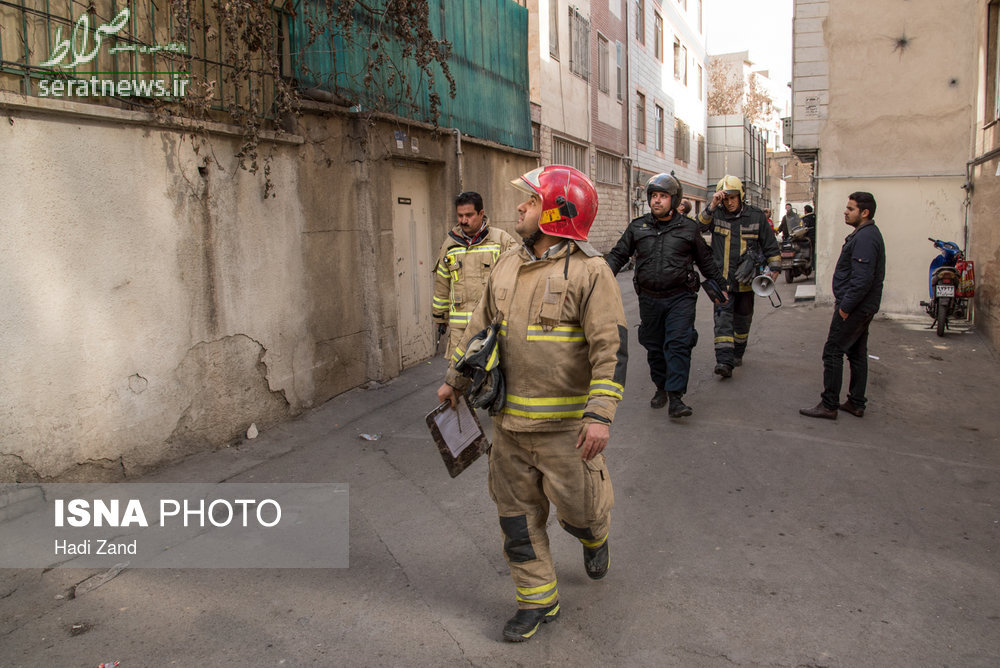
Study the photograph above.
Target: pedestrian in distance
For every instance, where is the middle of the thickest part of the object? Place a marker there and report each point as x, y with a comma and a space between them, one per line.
685, 207
666, 245
789, 221
464, 263
742, 241
857, 292
563, 351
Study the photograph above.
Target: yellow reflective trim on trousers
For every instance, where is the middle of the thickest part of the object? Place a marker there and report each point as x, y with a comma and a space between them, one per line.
724, 339
591, 544
543, 594
527, 591
541, 601
563, 333
741, 337
545, 407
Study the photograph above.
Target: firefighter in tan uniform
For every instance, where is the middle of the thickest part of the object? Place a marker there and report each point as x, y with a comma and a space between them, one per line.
563, 351
467, 256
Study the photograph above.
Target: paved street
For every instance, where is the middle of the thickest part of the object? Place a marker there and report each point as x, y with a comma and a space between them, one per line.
744, 535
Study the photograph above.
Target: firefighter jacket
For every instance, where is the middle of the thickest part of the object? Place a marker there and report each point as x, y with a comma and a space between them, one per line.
563, 338
733, 234
665, 252
461, 272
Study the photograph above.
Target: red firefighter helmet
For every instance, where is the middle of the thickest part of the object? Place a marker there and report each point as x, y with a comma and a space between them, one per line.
569, 200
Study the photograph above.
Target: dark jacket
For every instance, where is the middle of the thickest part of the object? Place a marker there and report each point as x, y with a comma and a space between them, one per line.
734, 233
860, 271
665, 252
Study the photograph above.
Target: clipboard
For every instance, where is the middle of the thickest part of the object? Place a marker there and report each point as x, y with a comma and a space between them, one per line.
458, 434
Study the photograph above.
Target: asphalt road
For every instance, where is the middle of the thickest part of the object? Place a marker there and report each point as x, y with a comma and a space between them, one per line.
744, 535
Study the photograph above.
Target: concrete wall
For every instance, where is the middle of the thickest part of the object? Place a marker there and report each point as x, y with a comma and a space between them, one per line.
156, 304
984, 232
902, 132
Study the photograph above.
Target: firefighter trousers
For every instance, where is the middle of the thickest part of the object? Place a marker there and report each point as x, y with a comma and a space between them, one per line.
732, 327
528, 471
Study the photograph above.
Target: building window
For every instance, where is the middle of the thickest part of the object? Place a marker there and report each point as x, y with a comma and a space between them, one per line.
568, 153
619, 63
579, 44
603, 64
659, 127
609, 168
701, 153
701, 82
658, 36
993, 62
684, 65
682, 141
677, 57
554, 29
640, 118
640, 21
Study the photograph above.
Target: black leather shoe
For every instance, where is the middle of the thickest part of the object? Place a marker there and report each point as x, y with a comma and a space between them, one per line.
724, 370
849, 407
659, 399
523, 625
678, 408
820, 411
597, 561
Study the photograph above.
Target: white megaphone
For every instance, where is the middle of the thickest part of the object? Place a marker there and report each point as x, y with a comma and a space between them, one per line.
763, 286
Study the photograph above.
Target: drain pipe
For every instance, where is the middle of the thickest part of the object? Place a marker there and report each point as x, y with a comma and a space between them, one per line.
458, 155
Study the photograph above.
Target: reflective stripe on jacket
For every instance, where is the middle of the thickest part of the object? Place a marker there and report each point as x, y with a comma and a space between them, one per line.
461, 272
732, 233
563, 338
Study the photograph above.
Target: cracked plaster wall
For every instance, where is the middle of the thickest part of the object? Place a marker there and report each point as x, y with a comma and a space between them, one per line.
149, 309
900, 113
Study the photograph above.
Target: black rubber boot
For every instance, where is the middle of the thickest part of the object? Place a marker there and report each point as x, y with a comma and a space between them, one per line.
677, 407
724, 370
523, 625
597, 561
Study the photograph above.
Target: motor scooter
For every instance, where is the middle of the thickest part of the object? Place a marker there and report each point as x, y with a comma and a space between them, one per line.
796, 254
951, 283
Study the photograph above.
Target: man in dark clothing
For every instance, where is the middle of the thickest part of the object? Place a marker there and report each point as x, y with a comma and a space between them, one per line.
789, 222
809, 222
857, 289
741, 235
666, 245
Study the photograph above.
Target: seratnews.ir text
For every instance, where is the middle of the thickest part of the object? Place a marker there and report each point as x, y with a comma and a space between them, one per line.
95, 87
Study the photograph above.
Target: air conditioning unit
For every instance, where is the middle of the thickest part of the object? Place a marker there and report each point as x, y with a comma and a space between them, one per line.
786, 131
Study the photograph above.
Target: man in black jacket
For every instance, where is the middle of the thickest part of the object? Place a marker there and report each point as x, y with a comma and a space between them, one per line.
666, 245
857, 289
741, 236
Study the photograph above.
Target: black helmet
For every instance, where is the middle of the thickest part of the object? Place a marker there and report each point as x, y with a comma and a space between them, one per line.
665, 183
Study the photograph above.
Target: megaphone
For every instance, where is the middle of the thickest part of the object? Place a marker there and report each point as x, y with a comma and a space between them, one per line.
763, 286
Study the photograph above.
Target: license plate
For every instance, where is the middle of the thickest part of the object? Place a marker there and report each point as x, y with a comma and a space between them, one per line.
944, 290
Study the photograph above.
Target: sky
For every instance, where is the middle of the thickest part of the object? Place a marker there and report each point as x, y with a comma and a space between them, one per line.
764, 27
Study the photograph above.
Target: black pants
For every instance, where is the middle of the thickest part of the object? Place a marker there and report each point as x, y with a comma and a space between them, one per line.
732, 327
666, 331
847, 337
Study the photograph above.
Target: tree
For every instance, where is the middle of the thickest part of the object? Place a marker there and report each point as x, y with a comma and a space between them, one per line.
757, 104
725, 89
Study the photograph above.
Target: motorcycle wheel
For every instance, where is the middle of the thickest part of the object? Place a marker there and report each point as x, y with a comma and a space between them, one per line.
789, 275
942, 315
